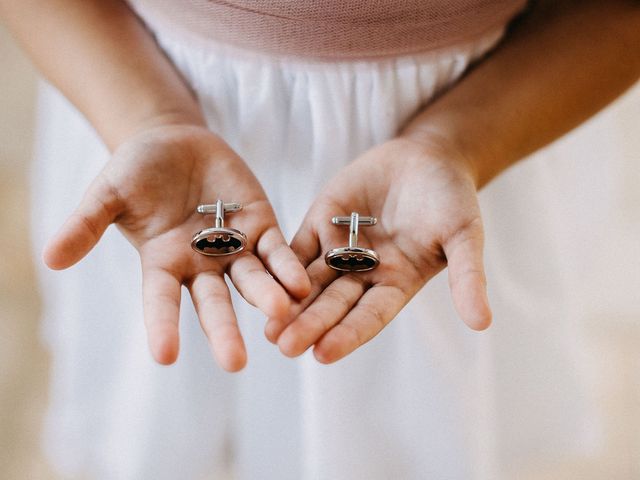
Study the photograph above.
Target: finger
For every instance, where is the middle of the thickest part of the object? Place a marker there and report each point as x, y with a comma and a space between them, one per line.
306, 243
467, 280
97, 210
161, 302
212, 300
326, 311
258, 287
378, 306
320, 276
276, 254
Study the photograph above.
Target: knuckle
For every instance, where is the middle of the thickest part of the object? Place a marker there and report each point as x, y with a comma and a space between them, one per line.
468, 274
471, 230
90, 226
108, 197
337, 297
357, 339
371, 313
279, 255
313, 319
214, 299
223, 329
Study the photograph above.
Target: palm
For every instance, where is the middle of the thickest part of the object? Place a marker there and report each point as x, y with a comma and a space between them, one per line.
428, 214
151, 189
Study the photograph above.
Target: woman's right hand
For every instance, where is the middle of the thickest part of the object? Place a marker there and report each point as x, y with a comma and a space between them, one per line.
150, 189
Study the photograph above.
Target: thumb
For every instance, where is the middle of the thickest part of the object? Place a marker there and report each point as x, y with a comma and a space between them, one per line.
80, 233
467, 279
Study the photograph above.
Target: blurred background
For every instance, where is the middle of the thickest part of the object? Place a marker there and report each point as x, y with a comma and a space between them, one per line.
23, 361
612, 370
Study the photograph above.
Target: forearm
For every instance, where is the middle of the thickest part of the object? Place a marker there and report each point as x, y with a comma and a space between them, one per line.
560, 65
104, 60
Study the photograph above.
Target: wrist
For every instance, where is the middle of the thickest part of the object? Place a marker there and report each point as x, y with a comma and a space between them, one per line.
445, 144
155, 118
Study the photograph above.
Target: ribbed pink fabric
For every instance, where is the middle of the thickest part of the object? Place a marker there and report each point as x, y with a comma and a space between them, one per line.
332, 29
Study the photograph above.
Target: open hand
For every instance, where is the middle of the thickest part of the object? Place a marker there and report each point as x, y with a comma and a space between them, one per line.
424, 196
150, 189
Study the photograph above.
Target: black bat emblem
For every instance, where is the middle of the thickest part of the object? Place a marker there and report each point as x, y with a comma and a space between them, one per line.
219, 244
353, 262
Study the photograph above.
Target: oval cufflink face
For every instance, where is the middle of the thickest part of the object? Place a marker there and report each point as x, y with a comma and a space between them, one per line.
352, 259
216, 242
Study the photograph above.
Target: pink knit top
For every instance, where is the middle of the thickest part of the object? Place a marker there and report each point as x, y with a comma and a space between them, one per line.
332, 29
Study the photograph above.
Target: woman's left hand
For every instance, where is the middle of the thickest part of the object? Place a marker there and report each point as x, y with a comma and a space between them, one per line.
424, 196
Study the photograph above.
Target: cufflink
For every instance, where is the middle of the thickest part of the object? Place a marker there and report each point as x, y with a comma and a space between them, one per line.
352, 258
218, 240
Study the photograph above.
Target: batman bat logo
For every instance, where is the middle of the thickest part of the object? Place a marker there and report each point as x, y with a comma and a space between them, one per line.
216, 242
352, 261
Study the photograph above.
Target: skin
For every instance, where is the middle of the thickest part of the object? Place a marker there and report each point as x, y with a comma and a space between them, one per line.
560, 64
165, 162
428, 212
563, 62
152, 198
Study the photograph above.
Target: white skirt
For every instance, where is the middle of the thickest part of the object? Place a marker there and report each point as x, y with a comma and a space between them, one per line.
427, 398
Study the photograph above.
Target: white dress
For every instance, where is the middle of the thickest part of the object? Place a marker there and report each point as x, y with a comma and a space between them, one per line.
427, 398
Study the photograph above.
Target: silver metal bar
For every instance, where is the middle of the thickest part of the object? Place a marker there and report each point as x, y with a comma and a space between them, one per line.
364, 221
353, 230
211, 209
219, 214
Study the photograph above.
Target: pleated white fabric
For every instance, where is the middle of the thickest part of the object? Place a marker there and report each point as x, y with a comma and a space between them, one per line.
418, 402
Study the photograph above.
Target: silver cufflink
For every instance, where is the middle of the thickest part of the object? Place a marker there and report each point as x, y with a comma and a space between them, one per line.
352, 258
218, 240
